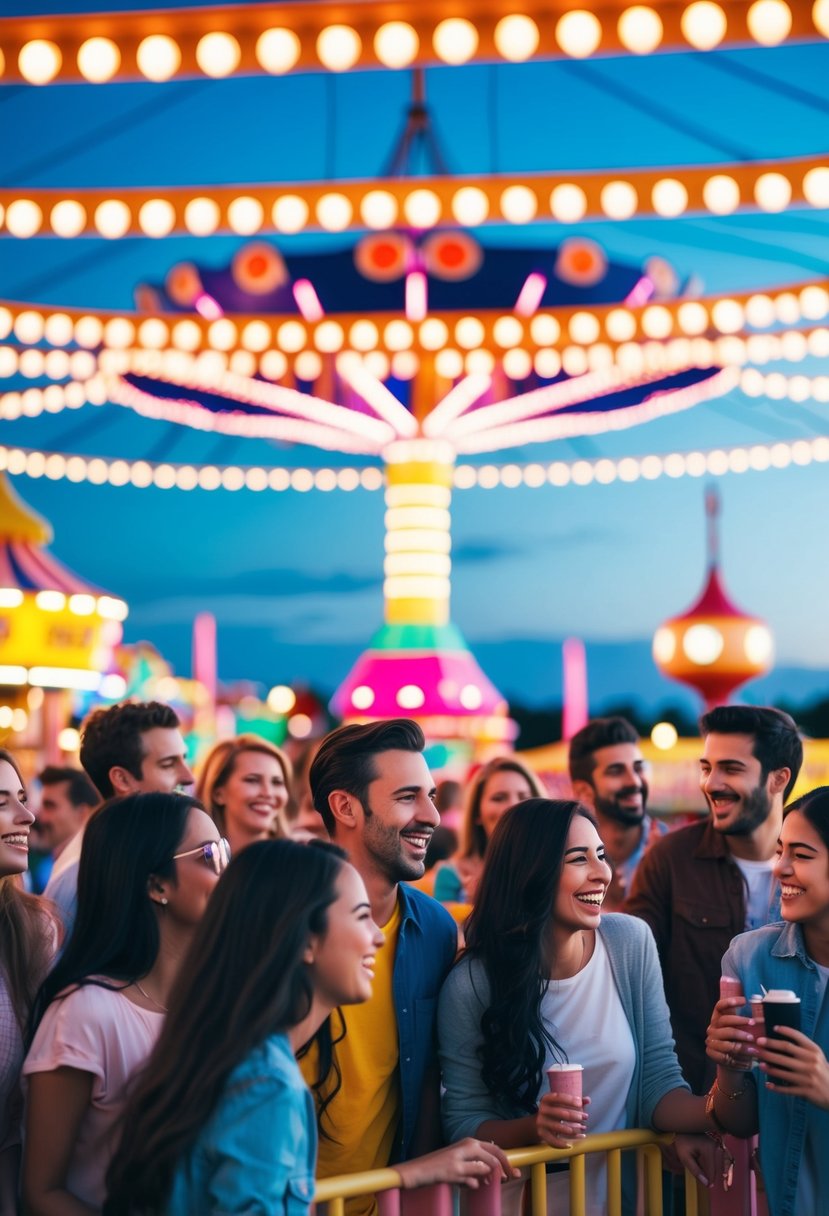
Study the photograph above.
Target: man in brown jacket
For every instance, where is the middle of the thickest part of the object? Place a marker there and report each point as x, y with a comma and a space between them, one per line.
700, 886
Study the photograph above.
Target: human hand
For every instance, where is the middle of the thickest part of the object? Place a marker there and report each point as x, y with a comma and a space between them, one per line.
469, 1163
729, 1041
703, 1157
561, 1119
797, 1061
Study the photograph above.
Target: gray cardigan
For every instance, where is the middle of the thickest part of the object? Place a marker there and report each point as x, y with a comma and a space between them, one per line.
467, 1103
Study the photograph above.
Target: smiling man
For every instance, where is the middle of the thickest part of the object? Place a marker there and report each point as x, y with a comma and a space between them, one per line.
702, 885
379, 1099
608, 774
134, 747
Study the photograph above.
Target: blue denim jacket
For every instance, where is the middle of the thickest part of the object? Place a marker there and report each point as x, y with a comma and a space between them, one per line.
426, 949
775, 957
257, 1152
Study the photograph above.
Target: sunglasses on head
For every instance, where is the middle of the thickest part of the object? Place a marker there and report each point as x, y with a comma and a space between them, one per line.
215, 853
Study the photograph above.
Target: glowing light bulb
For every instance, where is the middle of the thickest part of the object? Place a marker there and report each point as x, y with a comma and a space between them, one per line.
455, 40
338, 47
158, 57
278, 50
39, 61
703, 25
516, 38
98, 59
578, 33
640, 30
396, 44
218, 54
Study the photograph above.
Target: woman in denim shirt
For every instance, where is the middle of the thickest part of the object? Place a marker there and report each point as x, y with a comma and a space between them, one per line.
222, 1121
789, 1100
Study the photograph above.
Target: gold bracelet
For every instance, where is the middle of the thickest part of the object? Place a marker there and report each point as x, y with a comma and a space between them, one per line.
731, 1097
710, 1113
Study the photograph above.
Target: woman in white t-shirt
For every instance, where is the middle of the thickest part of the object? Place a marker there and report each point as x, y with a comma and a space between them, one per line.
149, 864
545, 979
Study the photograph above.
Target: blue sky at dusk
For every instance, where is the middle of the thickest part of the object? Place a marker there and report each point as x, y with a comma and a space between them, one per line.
295, 579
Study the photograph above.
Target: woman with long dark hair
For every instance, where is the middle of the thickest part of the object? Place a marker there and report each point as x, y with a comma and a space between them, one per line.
222, 1120
27, 941
789, 1101
546, 979
148, 866
494, 789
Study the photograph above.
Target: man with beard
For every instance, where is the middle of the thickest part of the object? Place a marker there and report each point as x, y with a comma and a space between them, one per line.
378, 1096
702, 885
607, 773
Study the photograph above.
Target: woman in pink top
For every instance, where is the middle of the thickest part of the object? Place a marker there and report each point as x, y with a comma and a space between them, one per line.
27, 942
148, 866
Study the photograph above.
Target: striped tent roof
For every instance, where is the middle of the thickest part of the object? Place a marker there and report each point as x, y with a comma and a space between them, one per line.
24, 561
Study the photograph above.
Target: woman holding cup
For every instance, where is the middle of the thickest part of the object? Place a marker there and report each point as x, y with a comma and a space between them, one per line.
546, 980
789, 961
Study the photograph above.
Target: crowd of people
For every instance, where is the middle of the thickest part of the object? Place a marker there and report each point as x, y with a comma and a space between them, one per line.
220, 998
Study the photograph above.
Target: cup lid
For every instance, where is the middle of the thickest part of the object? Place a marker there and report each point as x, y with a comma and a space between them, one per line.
566, 1068
782, 996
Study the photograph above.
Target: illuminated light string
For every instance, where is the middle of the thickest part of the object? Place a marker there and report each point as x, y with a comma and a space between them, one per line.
224, 41
143, 474
558, 329
717, 189
656, 405
189, 413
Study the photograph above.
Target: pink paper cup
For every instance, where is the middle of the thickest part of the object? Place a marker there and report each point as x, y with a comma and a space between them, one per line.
566, 1079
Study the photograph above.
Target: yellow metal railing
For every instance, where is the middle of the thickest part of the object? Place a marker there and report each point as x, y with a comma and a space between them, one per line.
335, 1191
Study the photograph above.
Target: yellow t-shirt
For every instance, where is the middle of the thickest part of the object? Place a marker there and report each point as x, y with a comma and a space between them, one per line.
361, 1122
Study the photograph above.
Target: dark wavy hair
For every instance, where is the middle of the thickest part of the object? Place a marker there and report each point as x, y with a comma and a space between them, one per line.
508, 931
814, 807
243, 979
111, 736
115, 939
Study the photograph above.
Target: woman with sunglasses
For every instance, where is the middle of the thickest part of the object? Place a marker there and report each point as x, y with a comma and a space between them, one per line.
221, 1120
27, 941
148, 866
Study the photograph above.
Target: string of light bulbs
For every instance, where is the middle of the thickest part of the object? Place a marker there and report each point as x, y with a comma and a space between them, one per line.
518, 199
322, 35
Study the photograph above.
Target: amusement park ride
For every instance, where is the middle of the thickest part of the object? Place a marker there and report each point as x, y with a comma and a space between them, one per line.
418, 341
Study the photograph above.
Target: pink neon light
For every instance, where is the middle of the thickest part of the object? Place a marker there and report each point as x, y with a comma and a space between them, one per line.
531, 294
204, 651
307, 300
417, 295
575, 687
640, 293
208, 307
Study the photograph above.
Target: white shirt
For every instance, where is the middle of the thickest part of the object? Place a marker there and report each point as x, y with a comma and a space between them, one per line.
585, 1016
758, 879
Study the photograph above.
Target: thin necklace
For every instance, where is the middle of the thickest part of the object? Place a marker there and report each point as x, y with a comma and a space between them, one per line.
151, 999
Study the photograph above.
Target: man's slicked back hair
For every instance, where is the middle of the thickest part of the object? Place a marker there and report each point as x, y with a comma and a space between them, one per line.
777, 742
112, 737
598, 733
345, 760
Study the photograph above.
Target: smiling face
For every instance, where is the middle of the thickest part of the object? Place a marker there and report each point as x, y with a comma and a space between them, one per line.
342, 959
619, 786
163, 766
802, 869
399, 817
252, 797
15, 822
502, 791
585, 877
731, 780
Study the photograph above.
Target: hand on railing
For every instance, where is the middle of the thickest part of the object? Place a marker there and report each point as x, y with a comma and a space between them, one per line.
701, 1156
468, 1163
561, 1119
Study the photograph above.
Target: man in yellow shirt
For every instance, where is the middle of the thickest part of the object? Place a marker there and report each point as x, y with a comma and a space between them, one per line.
379, 1099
